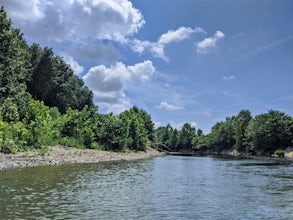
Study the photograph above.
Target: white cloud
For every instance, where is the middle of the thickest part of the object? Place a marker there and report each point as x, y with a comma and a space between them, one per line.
142, 71
24, 11
75, 20
228, 77
108, 84
177, 35
207, 44
77, 69
158, 48
169, 107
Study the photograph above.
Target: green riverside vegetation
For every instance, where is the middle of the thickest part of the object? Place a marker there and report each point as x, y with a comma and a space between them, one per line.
265, 134
43, 103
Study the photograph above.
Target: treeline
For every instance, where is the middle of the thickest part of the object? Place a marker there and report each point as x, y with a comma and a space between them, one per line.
263, 134
42, 102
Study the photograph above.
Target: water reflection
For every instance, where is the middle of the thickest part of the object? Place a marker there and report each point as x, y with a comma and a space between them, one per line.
166, 187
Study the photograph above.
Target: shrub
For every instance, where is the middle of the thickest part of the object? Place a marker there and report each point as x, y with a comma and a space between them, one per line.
280, 153
13, 137
40, 124
43, 151
79, 124
72, 142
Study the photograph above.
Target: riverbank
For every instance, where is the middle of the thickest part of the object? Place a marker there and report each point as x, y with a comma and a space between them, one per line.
288, 153
67, 155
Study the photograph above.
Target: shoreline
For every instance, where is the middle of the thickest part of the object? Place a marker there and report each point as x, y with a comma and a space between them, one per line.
58, 155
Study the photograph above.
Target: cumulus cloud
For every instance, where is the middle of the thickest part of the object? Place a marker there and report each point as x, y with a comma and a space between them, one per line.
228, 77
158, 48
108, 83
76, 20
207, 44
77, 69
24, 11
169, 107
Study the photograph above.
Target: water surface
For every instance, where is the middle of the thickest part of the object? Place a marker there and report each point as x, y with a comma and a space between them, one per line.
170, 187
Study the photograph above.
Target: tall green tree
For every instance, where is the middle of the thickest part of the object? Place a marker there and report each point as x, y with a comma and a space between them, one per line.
269, 131
163, 134
242, 120
222, 135
186, 134
14, 64
54, 82
138, 128
111, 133
173, 139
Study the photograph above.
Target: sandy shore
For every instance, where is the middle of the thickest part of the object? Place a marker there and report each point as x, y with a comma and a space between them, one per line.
66, 155
289, 155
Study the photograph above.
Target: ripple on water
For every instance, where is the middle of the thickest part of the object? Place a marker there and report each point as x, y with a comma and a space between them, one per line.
160, 188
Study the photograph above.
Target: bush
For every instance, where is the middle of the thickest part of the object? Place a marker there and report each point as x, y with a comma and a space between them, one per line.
96, 146
40, 124
72, 142
43, 151
13, 137
280, 153
79, 124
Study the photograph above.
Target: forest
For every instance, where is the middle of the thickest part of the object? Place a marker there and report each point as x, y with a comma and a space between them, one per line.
43, 103
263, 134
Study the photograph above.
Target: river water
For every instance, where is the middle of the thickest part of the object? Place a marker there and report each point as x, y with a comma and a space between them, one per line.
169, 187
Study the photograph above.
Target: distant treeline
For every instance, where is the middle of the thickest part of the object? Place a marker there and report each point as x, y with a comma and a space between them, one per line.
42, 103
263, 134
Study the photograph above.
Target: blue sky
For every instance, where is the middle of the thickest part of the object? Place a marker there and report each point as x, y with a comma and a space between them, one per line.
181, 60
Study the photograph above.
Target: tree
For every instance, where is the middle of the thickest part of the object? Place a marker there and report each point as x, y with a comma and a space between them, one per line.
186, 134
79, 125
173, 139
242, 120
138, 128
53, 81
199, 132
199, 143
14, 64
148, 124
39, 123
269, 132
163, 134
109, 133
222, 135
138, 135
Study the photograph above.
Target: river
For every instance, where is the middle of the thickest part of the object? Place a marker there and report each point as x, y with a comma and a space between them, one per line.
169, 187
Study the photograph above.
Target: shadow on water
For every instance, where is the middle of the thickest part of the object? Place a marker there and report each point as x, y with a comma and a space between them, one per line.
255, 160
269, 162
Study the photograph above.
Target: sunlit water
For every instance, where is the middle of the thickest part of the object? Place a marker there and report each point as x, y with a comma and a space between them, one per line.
160, 188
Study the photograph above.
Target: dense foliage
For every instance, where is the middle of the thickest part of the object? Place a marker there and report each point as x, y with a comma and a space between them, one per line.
53, 81
43, 103
264, 134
